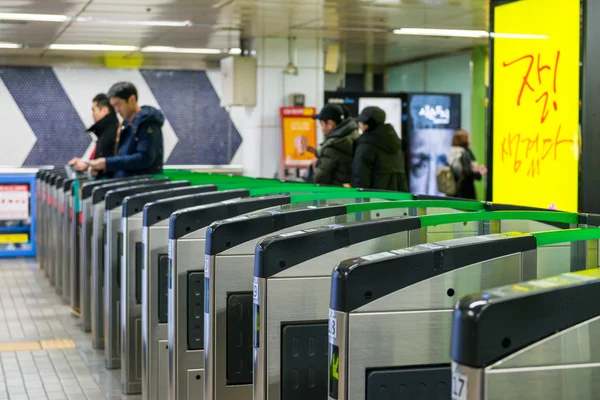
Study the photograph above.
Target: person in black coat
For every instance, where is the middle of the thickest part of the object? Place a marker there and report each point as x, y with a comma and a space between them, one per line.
104, 129
334, 157
378, 157
464, 167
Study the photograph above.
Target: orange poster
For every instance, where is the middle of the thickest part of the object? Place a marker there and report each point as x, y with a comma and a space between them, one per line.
299, 132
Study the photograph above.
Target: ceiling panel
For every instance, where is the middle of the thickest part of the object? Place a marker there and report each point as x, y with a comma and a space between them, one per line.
362, 27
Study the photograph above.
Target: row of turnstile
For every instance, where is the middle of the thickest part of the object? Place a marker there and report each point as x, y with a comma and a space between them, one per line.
216, 287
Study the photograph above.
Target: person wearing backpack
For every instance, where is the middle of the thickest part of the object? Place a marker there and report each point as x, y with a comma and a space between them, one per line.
465, 169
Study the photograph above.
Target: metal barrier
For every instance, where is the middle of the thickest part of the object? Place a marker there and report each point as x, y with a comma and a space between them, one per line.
106, 279
229, 270
390, 312
155, 236
131, 285
536, 340
86, 233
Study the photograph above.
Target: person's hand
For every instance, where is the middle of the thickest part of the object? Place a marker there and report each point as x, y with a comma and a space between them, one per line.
346, 185
311, 149
483, 170
98, 164
79, 164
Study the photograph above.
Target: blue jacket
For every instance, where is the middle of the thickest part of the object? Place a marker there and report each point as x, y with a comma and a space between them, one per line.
140, 145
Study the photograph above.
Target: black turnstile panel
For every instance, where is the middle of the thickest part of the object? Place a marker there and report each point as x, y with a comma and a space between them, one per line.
163, 288
139, 248
195, 311
239, 338
410, 383
304, 361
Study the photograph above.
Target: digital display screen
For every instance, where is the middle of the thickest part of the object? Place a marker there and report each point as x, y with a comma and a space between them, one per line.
392, 107
14, 202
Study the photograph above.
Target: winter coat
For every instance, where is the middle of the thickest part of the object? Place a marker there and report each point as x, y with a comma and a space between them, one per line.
334, 165
379, 160
140, 145
106, 132
466, 173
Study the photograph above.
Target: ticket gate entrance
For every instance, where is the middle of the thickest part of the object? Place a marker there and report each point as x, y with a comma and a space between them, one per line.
51, 227
390, 313
131, 280
536, 340
229, 266
87, 234
283, 275
64, 243
187, 236
106, 279
155, 354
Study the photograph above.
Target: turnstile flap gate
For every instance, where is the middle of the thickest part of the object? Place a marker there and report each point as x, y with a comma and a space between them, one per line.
135, 204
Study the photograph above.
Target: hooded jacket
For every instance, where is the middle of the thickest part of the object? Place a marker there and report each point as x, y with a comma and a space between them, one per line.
335, 155
463, 165
106, 132
140, 148
379, 160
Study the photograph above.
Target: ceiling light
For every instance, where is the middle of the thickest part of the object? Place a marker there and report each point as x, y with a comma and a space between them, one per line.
442, 32
91, 47
235, 51
135, 22
183, 50
33, 17
497, 35
10, 45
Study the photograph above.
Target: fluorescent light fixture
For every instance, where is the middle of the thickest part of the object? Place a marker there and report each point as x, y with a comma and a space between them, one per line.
235, 51
497, 35
33, 17
441, 32
182, 50
135, 22
91, 47
4, 45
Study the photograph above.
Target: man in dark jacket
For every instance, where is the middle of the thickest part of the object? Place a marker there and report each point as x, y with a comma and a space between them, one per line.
105, 131
140, 148
334, 157
378, 158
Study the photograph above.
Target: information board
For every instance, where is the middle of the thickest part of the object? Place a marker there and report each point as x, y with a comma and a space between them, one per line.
536, 57
14, 202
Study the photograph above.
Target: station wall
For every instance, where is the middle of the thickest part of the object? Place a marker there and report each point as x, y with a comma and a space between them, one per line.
45, 111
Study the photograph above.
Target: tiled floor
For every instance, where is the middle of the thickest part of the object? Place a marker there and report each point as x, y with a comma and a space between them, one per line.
30, 311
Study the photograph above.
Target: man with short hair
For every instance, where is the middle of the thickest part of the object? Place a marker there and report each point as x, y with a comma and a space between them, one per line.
140, 148
334, 157
104, 130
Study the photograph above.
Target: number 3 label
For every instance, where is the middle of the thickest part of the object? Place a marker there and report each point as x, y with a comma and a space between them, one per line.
332, 327
459, 386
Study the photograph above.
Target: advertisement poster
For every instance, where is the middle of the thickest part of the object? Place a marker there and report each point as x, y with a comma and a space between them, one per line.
14, 202
536, 104
299, 131
433, 119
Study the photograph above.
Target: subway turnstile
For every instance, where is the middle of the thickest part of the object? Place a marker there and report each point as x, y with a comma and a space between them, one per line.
131, 277
155, 353
390, 313
107, 279
534, 340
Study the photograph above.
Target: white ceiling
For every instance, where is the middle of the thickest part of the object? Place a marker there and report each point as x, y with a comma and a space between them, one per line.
363, 27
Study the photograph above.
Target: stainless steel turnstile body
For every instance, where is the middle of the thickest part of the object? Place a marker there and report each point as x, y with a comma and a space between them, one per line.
186, 277
410, 327
131, 285
92, 253
155, 349
110, 281
296, 297
547, 348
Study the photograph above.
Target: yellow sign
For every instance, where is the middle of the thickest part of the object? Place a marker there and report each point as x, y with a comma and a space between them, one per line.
536, 103
14, 238
299, 133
